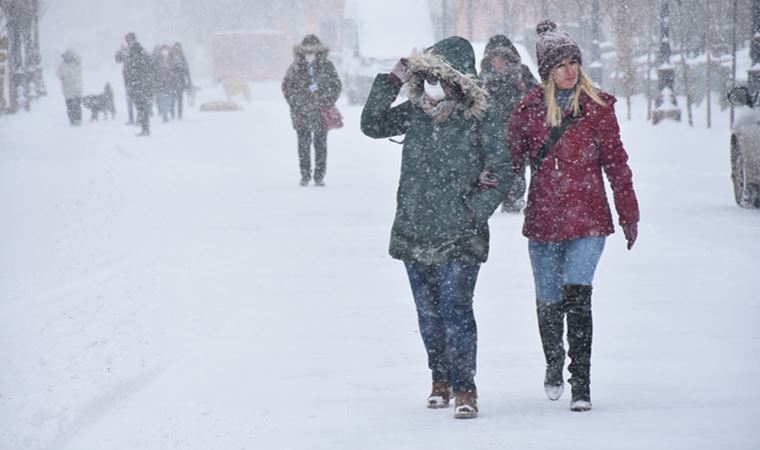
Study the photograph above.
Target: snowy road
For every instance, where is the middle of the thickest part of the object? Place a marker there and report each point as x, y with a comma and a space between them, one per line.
182, 291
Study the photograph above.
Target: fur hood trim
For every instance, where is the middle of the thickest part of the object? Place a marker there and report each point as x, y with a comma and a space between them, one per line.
421, 63
299, 51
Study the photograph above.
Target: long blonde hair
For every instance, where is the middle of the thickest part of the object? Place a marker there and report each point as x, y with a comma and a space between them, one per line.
584, 85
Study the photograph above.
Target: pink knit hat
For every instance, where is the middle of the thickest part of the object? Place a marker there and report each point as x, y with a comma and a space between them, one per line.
553, 46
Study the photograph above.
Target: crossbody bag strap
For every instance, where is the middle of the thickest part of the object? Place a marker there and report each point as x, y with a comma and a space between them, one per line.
554, 136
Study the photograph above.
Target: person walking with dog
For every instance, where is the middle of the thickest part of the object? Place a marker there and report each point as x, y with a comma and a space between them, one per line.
311, 85
121, 57
507, 80
455, 171
139, 81
70, 73
567, 129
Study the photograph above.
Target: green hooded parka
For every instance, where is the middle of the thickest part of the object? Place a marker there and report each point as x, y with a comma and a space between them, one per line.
441, 214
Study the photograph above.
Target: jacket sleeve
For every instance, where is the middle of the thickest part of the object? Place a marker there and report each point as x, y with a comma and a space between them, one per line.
518, 156
288, 89
614, 160
496, 160
379, 119
518, 148
332, 88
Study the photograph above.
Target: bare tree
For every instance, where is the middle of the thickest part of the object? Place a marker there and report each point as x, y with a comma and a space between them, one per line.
625, 24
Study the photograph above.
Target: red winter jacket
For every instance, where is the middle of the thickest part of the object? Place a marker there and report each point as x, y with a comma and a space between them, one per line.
567, 198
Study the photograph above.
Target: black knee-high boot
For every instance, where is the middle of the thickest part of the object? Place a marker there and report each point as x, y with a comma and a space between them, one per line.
551, 326
577, 300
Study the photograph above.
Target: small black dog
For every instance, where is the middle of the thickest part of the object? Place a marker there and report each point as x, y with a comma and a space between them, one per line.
100, 103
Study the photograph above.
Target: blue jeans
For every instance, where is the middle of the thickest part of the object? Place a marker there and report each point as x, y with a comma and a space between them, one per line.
565, 262
164, 105
443, 296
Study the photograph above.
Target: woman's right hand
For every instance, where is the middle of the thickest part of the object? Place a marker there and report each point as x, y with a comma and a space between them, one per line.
401, 70
631, 232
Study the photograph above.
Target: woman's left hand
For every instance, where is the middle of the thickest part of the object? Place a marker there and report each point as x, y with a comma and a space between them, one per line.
631, 232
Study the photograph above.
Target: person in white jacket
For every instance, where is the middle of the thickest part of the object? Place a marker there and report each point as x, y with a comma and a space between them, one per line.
70, 73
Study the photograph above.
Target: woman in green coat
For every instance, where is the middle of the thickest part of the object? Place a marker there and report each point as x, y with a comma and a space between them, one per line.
455, 171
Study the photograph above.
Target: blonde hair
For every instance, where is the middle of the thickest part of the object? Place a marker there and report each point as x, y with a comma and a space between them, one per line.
584, 85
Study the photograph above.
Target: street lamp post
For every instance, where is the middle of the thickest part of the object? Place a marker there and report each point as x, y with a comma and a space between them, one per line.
444, 18
666, 106
505, 17
595, 68
753, 74
470, 19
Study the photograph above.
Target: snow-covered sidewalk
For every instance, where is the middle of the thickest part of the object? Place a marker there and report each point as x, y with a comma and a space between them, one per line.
182, 291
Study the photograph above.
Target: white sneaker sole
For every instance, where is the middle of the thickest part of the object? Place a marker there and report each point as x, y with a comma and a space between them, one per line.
437, 402
554, 392
465, 412
580, 406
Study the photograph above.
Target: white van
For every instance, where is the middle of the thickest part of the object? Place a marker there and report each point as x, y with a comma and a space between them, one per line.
375, 35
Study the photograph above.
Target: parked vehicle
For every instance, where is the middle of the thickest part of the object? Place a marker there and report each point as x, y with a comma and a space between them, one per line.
376, 35
745, 148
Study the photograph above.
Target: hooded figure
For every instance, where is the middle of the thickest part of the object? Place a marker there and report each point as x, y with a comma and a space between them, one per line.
70, 73
507, 80
121, 57
455, 170
179, 73
139, 81
504, 75
310, 86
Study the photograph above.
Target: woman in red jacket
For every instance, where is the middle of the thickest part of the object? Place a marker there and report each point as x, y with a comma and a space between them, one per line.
567, 217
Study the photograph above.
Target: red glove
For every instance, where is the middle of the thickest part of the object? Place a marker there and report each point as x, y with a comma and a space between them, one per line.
631, 232
401, 70
486, 181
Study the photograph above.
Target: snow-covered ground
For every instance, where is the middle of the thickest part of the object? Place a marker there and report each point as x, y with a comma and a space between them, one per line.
182, 291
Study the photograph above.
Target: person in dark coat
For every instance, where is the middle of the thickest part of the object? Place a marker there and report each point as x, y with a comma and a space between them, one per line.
455, 171
507, 80
179, 75
121, 57
310, 86
567, 217
163, 85
139, 81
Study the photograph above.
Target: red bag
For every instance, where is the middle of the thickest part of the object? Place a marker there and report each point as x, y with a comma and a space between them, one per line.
331, 118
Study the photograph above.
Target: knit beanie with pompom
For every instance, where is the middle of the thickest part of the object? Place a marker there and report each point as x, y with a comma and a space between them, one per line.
553, 47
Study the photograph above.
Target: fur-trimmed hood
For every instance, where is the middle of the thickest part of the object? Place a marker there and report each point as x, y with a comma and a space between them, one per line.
451, 60
310, 44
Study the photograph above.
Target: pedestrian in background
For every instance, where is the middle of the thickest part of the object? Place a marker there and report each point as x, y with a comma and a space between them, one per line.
507, 80
567, 129
311, 86
163, 81
179, 74
121, 57
70, 73
139, 82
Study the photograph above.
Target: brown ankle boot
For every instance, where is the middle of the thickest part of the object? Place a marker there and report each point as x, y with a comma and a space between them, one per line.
466, 404
440, 395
